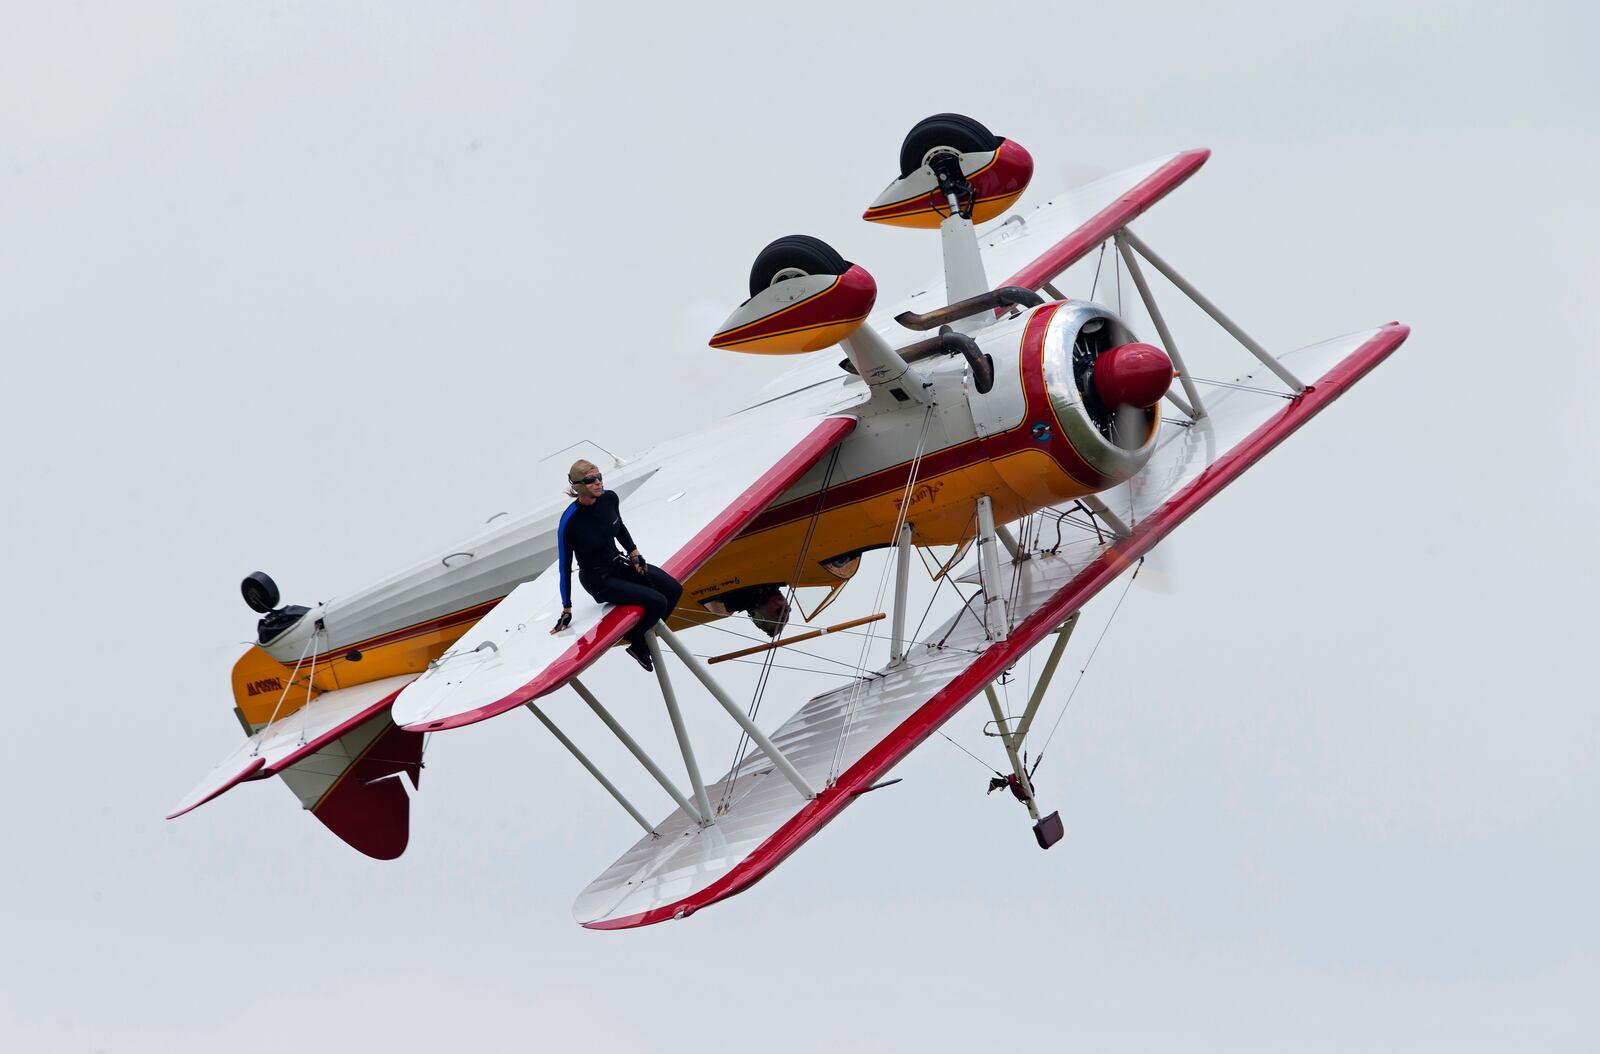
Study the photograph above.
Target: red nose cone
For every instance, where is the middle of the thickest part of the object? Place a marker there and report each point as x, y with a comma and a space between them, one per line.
1133, 375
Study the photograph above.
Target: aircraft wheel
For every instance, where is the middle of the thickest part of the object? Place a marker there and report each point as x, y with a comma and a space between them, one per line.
951, 131
260, 592
795, 256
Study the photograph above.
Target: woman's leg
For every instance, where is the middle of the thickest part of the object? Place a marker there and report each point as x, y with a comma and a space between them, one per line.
670, 588
628, 588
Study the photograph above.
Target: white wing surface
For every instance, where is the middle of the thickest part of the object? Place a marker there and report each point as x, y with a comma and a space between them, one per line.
703, 490
849, 738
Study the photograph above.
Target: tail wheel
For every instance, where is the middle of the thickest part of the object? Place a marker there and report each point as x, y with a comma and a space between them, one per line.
949, 131
795, 256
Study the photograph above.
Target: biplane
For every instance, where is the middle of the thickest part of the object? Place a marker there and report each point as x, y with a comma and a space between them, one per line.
963, 417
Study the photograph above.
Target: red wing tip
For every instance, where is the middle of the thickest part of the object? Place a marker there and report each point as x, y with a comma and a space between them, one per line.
544, 684
633, 922
1393, 334
1191, 160
470, 717
603, 924
244, 774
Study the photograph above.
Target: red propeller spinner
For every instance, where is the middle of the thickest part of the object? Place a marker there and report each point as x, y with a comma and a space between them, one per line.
1133, 375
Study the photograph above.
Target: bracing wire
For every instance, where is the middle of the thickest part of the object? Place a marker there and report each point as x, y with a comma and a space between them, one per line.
883, 580
987, 767
1098, 260
791, 649
1085, 668
966, 602
797, 669
311, 676
289, 684
742, 748
1244, 388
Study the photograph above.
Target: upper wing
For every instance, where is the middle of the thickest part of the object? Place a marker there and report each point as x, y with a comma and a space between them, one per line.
848, 739
706, 489
1116, 201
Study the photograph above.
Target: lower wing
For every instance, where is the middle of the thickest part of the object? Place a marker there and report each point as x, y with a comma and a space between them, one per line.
848, 739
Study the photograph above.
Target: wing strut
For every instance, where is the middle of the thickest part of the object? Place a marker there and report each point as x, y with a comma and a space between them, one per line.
700, 808
593, 770
988, 559
902, 564
670, 697
635, 749
1063, 635
1010, 743
1194, 407
1047, 830
1127, 236
777, 757
1009, 540
1093, 503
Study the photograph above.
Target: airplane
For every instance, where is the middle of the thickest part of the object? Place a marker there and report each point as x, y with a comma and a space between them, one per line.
1036, 436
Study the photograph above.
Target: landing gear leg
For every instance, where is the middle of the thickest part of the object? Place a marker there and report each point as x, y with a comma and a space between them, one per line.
1046, 830
1017, 767
902, 571
995, 619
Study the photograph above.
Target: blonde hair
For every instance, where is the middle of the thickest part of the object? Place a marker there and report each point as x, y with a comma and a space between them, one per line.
580, 468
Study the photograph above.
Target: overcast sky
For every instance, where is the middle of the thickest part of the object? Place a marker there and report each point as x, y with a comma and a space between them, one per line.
313, 287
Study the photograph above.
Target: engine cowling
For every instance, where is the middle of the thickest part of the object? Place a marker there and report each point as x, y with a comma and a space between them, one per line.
1075, 408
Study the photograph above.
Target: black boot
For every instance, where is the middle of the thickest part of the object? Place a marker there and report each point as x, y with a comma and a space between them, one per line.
641, 655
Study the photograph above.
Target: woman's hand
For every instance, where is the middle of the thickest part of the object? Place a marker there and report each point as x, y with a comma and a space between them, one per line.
637, 561
563, 622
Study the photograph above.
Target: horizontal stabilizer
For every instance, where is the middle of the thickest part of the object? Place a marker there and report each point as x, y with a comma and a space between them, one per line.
299, 735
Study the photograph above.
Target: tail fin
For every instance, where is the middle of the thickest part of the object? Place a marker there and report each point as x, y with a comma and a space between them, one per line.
353, 785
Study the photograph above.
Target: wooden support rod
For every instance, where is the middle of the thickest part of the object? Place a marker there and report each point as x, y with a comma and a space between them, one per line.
797, 638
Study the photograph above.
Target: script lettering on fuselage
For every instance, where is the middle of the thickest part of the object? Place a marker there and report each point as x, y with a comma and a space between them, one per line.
923, 492
726, 585
266, 684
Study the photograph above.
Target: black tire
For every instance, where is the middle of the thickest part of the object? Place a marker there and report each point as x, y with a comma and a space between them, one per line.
260, 592
797, 252
954, 130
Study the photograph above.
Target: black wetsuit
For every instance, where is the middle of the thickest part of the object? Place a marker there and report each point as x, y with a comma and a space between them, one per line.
591, 533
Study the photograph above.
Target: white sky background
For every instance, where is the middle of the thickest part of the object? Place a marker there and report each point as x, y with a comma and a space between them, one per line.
312, 289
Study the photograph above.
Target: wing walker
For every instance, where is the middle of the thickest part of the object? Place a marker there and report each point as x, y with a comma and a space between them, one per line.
1030, 445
